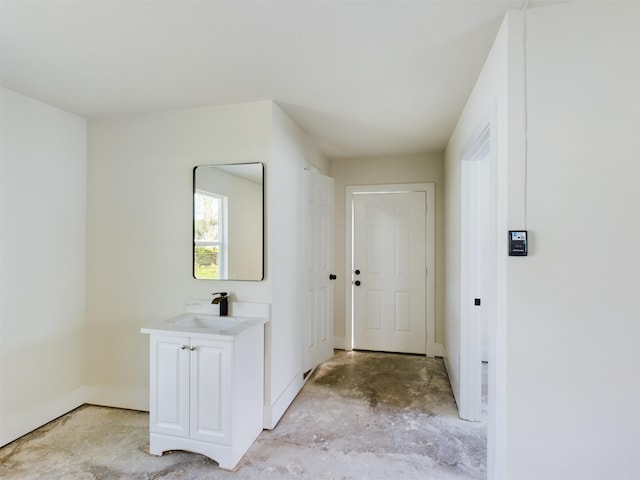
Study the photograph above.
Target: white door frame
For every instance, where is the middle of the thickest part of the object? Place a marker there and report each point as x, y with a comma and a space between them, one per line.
470, 356
470, 388
429, 189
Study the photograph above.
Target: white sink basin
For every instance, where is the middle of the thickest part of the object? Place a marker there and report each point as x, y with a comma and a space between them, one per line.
210, 322
199, 321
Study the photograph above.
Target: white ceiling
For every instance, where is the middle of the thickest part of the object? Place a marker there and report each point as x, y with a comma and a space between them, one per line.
364, 78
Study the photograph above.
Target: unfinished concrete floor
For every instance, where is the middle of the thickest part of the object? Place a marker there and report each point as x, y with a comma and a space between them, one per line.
362, 415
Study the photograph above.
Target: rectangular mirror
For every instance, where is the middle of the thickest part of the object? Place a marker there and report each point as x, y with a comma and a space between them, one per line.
228, 222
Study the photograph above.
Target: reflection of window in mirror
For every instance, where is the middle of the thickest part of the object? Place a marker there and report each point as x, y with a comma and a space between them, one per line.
228, 223
210, 235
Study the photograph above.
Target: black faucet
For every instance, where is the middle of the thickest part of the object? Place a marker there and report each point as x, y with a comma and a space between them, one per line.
223, 301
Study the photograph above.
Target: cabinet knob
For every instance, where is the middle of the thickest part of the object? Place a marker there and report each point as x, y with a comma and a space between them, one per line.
182, 347
193, 348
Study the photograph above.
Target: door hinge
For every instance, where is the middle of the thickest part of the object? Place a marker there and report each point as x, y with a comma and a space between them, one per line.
426, 272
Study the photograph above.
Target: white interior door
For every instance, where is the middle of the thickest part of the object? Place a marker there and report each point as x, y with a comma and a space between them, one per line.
389, 272
317, 310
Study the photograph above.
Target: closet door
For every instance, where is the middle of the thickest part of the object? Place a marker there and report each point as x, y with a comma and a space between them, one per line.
317, 309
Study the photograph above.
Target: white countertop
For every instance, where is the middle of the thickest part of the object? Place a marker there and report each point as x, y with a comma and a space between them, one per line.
201, 320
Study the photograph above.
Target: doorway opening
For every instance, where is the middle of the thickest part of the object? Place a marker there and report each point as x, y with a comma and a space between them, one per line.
477, 270
475, 391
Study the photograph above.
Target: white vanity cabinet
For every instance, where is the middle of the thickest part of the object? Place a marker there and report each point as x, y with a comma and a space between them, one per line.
190, 388
206, 392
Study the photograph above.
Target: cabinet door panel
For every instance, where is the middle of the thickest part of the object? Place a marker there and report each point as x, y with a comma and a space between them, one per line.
211, 391
169, 386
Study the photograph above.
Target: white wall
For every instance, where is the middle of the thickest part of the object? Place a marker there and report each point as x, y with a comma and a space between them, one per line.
386, 170
488, 104
291, 150
42, 258
139, 265
565, 337
573, 384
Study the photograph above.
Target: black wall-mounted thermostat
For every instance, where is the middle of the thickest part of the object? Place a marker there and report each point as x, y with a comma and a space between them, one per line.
518, 243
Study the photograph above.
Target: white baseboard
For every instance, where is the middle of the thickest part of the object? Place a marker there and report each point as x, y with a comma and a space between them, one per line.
453, 380
18, 425
340, 343
130, 398
272, 413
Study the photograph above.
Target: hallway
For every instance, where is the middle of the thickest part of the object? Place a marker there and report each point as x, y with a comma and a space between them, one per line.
363, 415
